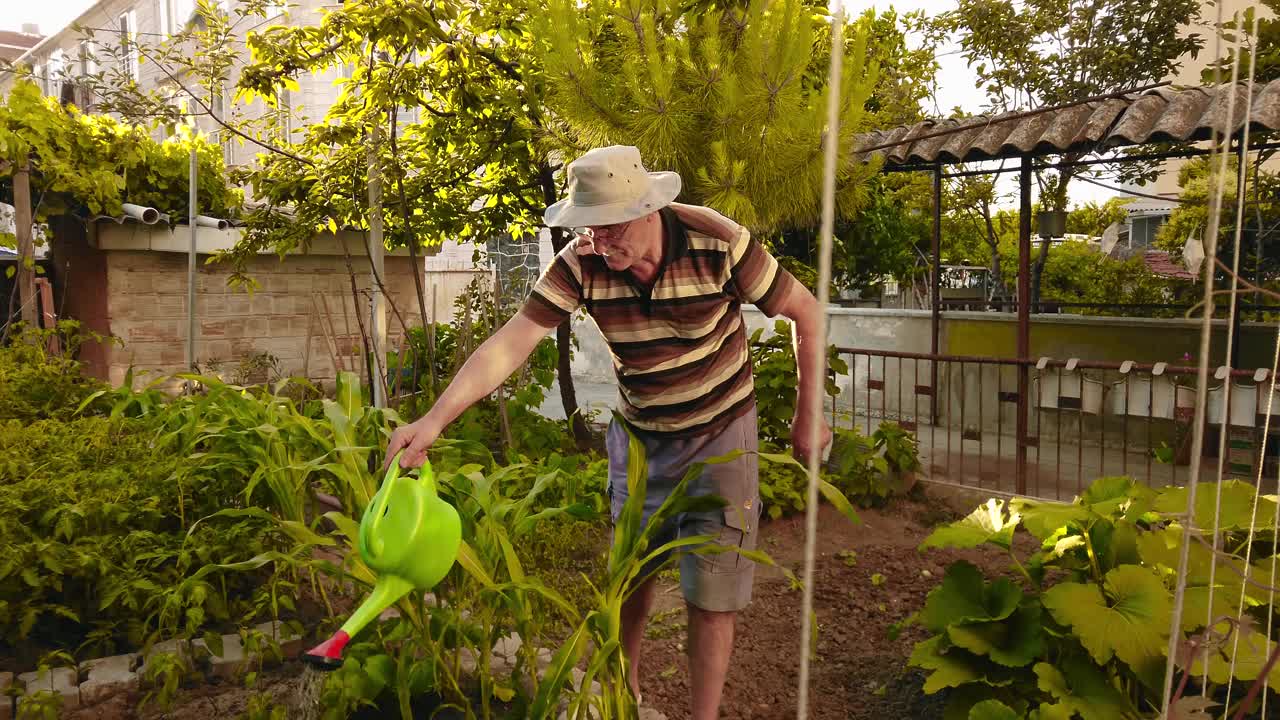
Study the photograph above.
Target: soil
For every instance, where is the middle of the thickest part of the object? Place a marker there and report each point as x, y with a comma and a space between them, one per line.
868, 577
859, 671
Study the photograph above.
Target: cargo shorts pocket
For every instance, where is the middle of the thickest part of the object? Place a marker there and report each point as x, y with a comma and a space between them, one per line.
732, 529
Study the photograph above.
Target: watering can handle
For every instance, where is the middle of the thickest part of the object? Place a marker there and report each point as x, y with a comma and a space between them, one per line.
393, 473
426, 476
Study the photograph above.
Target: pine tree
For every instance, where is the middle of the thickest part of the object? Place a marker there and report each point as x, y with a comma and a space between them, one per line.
734, 99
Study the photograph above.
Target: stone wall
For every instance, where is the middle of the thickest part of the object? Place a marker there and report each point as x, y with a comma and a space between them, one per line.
146, 296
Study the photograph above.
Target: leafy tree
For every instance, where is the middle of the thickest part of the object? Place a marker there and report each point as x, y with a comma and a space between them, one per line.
1198, 180
733, 99
1041, 53
63, 162
1093, 219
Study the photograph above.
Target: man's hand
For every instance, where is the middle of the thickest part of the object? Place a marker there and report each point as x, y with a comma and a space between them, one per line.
414, 439
807, 435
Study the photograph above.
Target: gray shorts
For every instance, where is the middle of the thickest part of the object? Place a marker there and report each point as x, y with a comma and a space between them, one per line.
720, 581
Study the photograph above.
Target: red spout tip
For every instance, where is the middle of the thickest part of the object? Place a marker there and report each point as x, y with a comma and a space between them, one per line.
328, 653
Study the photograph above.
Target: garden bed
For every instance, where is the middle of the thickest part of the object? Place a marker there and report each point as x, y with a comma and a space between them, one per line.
869, 577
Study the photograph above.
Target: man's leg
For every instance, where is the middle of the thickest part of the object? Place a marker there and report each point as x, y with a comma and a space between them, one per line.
710, 645
635, 617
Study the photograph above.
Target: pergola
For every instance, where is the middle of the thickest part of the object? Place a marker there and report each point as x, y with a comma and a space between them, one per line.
1089, 129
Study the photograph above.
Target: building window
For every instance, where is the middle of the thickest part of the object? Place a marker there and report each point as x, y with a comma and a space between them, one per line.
57, 69
284, 115
88, 61
162, 17
128, 25
39, 77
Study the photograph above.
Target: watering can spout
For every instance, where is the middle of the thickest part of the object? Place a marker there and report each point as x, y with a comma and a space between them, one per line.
387, 590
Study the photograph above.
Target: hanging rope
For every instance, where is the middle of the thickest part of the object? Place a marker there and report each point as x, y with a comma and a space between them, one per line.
1224, 422
835, 96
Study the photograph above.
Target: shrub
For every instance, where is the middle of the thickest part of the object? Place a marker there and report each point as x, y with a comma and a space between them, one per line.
776, 381
94, 520
36, 384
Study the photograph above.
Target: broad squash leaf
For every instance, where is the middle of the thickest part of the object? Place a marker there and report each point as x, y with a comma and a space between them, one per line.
964, 596
993, 710
1044, 519
988, 524
1236, 511
1013, 642
1081, 687
949, 669
1130, 622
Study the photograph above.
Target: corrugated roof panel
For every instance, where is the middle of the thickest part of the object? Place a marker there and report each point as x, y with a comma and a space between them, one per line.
1027, 133
957, 144
926, 150
1137, 120
1181, 117
1266, 108
1063, 128
988, 143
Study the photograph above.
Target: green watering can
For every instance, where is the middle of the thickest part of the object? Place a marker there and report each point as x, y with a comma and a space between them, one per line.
410, 538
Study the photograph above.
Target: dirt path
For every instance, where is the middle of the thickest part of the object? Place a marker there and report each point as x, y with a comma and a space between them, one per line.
869, 577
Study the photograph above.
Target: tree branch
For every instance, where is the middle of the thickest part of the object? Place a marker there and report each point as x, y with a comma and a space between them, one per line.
220, 121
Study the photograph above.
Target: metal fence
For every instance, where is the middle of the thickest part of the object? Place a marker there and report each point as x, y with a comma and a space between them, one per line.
1083, 420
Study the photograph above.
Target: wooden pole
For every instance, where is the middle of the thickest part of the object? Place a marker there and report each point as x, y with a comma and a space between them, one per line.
26, 245
377, 252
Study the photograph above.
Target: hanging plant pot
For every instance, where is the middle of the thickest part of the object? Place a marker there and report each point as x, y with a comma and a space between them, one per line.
1052, 223
1244, 404
1142, 397
1069, 390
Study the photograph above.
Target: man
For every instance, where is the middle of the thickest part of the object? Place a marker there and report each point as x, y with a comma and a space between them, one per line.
664, 282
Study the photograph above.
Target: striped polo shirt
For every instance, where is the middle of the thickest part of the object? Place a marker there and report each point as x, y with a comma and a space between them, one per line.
680, 349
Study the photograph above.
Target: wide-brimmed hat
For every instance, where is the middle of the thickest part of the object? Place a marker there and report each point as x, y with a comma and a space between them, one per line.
609, 185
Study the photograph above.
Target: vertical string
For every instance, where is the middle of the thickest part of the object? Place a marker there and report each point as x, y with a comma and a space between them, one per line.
1242, 174
1224, 422
834, 102
1197, 437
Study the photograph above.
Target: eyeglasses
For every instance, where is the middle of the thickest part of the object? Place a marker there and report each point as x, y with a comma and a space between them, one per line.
605, 231
590, 235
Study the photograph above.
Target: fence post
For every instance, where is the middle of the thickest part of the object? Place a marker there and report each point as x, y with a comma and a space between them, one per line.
1024, 321
935, 285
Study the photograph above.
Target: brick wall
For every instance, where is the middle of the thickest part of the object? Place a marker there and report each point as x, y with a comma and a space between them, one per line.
147, 298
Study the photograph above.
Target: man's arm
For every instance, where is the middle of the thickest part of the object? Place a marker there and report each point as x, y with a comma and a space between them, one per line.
802, 308
487, 368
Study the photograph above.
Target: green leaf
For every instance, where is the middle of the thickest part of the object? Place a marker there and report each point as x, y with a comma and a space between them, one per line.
1081, 687
964, 596
1250, 648
1014, 642
1130, 622
1236, 511
1107, 490
949, 669
1044, 519
987, 524
381, 669
992, 710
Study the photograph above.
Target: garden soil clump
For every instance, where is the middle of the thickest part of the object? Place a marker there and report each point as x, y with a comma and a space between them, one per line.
869, 578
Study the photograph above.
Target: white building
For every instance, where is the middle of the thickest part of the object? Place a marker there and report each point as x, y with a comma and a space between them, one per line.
135, 28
